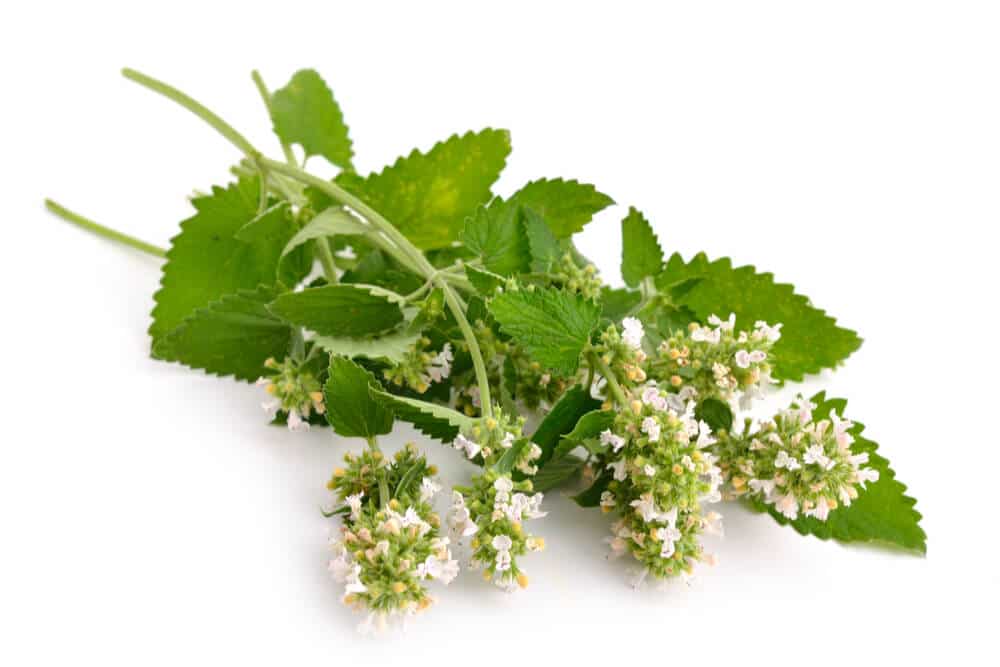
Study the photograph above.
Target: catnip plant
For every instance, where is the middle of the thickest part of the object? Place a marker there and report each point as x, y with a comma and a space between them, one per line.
417, 294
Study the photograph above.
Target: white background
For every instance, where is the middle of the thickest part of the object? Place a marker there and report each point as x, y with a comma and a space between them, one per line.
150, 517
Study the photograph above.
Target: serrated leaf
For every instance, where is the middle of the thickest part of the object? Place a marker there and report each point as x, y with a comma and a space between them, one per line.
206, 261
543, 246
341, 310
305, 113
495, 234
429, 195
641, 252
437, 421
553, 325
588, 428
485, 282
270, 226
556, 472
566, 205
618, 303
573, 404
352, 409
390, 347
332, 221
810, 339
882, 512
232, 336
715, 413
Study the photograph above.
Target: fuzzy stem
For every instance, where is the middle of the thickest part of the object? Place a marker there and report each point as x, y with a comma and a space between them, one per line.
101, 230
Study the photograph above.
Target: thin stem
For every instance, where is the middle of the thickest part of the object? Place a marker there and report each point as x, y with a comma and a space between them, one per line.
326, 260
101, 230
616, 389
265, 95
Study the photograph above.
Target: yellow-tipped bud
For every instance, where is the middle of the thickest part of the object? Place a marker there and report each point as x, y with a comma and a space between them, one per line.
316, 396
522, 580
677, 469
398, 587
394, 504
676, 380
486, 575
271, 389
637, 407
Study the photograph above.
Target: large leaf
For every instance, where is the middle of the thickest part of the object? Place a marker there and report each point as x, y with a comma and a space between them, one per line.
810, 339
429, 195
566, 205
882, 512
352, 408
496, 235
232, 336
437, 421
391, 347
641, 253
341, 310
206, 261
305, 113
553, 325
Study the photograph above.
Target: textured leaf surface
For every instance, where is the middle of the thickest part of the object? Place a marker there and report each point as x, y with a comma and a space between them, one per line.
496, 235
641, 252
561, 419
391, 346
206, 261
617, 303
715, 413
556, 472
543, 246
810, 339
231, 336
305, 113
882, 513
340, 310
429, 195
437, 421
566, 205
352, 408
329, 222
486, 282
553, 325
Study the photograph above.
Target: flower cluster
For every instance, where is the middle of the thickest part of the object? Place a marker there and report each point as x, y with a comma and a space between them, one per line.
495, 437
795, 463
580, 280
387, 548
716, 361
662, 475
420, 367
491, 512
623, 355
294, 390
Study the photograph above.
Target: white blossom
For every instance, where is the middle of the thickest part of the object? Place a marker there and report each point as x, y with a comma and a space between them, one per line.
469, 447
783, 460
295, 422
651, 428
632, 332
440, 366
742, 358
615, 442
619, 471
725, 325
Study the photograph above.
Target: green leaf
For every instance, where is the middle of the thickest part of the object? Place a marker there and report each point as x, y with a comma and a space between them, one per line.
341, 310
566, 205
485, 282
618, 303
273, 226
882, 513
510, 457
561, 419
429, 195
553, 325
555, 472
437, 421
810, 339
543, 245
333, 221
390, 347
232, 336
586, 430
351, 408
715, 413
592, 496
496, 235
641, 252
305, 113
206, 261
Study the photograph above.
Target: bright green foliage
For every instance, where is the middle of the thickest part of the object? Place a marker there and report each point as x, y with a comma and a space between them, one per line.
641, 253
305, 113
429, 195
206, 261
810, 339
561, 419
566, 205
232, 336
543, 245
881, 513
436, 421
586, 433
340, 310
618, 303
715, 413
551, 324
495, 233
351, 408
390, 347
485, 282
333, 221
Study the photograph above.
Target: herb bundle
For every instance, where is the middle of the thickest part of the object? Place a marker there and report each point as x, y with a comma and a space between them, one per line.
416, 294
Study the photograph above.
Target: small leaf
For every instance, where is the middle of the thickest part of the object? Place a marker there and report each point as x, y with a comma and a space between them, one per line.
716, 414
485, 282
592, 496
555, 472
332, 221
587, 429
618, 303
305, 113
553, 325
496, 235
390, 347
543, 245
341, 310
232, 336
436, 421
561, 419
428, 196
641, 253
508, 460
566, 205
351, 407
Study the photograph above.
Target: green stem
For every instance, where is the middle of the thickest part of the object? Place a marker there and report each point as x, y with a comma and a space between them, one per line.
326, 260
265, 95
101, 230
616, 389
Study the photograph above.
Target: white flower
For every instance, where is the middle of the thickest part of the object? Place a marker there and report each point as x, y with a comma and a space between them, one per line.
646, 507
788, 506
607, 499
651, 428
503, 561
704, 435
725, 325
821, 510
449, 570
867, 475
503, 484
619, 470
649, 470
346, 253
470, 447
428, 489
742, 358
770, 333
859, 459
765, 486
814, 454
353, 581
598, 387
632, 332
651, 396
502, 542
706, 335
295, 422
341, 568
440, 365
806, 410
840, 430
461, 521
758, 356
783, 460
271, 407
354, 502
507, 440
712, 524
615, 442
